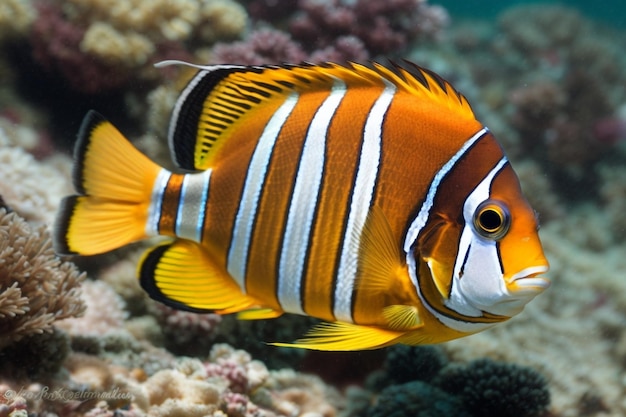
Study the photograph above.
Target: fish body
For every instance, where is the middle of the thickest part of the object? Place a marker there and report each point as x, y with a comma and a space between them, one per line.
370, 198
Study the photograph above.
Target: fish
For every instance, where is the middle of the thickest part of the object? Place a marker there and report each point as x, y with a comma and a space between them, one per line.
367, 196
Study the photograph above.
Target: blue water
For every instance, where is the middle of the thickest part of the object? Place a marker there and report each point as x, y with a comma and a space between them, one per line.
609, 11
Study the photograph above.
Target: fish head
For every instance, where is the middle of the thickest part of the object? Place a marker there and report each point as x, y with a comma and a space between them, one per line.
488, 260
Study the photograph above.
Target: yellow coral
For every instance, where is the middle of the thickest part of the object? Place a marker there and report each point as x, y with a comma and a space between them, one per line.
16, 16
156, 19
115, 47
221, 19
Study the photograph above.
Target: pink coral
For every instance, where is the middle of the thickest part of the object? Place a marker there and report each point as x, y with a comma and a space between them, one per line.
56, 47
234, 373
265, 46
185, 332
384, 27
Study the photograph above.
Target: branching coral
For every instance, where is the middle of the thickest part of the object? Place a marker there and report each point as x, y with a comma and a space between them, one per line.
104, 312
36, 287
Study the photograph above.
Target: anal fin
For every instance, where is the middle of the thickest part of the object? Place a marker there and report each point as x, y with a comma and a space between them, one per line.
259, 314
181, 275
341, 336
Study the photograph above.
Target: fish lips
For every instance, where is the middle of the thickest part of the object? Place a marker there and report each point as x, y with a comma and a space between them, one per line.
529, 280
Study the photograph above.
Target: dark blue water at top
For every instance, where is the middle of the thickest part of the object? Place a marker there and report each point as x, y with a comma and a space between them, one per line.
609, 11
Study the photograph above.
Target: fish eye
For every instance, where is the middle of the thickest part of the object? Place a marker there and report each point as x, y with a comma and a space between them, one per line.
492, 219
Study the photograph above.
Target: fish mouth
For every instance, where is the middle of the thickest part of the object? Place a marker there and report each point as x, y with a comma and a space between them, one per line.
529, 279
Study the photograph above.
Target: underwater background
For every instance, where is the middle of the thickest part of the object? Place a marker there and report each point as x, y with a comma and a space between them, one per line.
78, 337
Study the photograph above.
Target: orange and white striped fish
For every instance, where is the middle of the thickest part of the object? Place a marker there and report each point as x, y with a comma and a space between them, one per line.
368, 197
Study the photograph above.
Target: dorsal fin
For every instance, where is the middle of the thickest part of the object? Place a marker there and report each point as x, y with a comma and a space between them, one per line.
221, 98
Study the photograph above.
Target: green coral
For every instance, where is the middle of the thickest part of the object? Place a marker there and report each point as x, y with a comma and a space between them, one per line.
489, 388
409, 363
416, 399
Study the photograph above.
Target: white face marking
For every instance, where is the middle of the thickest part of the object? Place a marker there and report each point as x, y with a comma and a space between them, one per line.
156, 200
422, 217
367, 173
257, 172
481, 285
477, 281
303, 203
192, 205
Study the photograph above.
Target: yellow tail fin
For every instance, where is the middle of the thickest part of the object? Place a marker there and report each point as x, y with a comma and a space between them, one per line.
114, 183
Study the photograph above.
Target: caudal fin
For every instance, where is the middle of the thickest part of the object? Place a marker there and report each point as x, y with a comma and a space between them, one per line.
114, 183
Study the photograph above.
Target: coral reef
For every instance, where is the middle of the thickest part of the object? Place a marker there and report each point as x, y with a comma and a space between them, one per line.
37, 288
104, 313
16, 16
418, 399
186, 333
328, 31
420, 381
494, 389
97, 46
30, 187
265, 46
383, 28
410, 363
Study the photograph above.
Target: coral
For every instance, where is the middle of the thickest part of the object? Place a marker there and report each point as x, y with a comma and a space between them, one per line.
16, 406
417, 399
185, 332
264, 46
489, 388
539, 191
36, 288
302, 395
220, 20
56, 47
98, 46
613, 194
121, 277
114, 48
410, 363
271, 10
236, 367
89, 372
171, 393
383, 27
30, 187
104, 312
35, 356
336, 30
565, 112
16, 17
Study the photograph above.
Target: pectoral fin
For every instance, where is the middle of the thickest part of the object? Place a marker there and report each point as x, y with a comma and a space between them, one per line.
402, 317
379, 255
